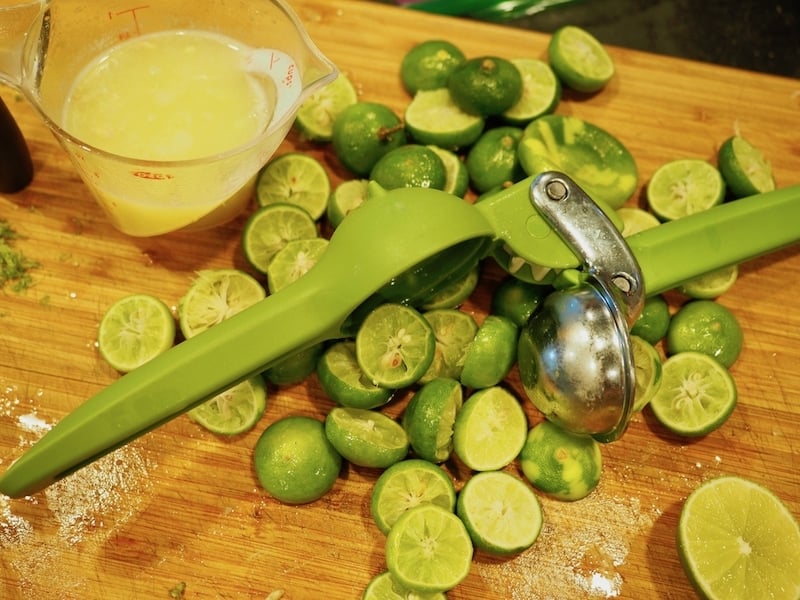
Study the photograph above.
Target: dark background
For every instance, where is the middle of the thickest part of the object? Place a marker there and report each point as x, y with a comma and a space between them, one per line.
746, 34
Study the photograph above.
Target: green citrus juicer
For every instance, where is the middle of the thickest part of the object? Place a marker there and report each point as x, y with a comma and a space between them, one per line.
398, 247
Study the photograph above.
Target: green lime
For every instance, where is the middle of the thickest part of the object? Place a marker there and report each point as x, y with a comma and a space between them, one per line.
433, 118
294, 461
456, 175
316, 116
427, 66
501, 512
653, 322
429, 418
406, 485
712, 284
708, 327
295, 178
410, 165
683, 187
234, 411
295, 367
579, 60
454, 331
270, 228
541, 92
744, 168
697, 394
384, 587
490, 429
363, 132
134, 330
428, 549
344, 381
366, 438
455, 293
485, 85
492, 160
647, 362
491, 354
737, 541
345, 198
596, 160
517, 300
395, 345
635, 220
562, 464
215, 295
293, 261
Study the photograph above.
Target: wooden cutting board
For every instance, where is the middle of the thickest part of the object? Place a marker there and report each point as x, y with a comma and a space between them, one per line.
180, 511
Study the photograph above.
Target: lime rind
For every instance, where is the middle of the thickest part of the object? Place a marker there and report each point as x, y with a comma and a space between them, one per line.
429, 418
737, 540
491, 354
648, 367
344, 381
454, 330
345, 198
457, 180
134, 330
234, 411
501, 512
744, 168
696, 396
366, 438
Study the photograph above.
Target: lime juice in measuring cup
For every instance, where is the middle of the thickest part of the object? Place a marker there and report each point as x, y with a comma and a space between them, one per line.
167, 109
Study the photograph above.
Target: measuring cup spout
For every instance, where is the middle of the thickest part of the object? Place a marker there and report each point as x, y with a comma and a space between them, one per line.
15, 21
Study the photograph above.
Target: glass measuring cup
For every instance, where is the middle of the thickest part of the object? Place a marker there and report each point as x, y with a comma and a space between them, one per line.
46, 45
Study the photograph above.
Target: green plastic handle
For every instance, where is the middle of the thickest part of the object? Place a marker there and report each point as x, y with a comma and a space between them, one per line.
730, 233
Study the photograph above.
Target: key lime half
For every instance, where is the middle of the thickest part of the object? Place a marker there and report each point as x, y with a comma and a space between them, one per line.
579, 59
744, 167
738, 541
270, 228
684, 187
295, 178
234, 411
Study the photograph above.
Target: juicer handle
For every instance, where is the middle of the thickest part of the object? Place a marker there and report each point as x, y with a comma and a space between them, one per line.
730, 233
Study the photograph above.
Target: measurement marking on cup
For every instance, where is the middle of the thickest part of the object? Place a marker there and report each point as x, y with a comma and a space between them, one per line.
131, 12
151, 175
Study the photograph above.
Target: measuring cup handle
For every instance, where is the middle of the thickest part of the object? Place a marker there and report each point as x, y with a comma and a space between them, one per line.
284, 72
730, 233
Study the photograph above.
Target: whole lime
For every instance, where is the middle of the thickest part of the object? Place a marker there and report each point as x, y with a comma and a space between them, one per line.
294, 460
485, 86
411, 165
706, 326
363, 132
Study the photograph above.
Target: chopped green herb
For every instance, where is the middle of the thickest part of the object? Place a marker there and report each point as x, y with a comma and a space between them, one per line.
178, 591
15, 267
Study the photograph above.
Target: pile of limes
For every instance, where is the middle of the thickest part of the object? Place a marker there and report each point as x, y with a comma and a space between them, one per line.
472, 126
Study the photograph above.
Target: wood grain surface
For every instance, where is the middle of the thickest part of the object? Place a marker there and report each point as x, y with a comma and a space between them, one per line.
179, 513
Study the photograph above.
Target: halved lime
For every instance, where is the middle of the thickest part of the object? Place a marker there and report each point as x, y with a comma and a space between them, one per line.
647, 362
134, 330
428, 65
270, 228
706, 326
428, 549
579, 59
395, 345
635, 220
316, 115
295, 178
737, 540
456, 175
294, 461
597, 161
562, 464
344, 381
541, 92
234, 411
385, 587
683, 187
345, 198
491, 354
490, 429
696, 396
500, 511
293, 261
433, 118
215, 295
366, 438
406, 485
429, 418
454, 331
454, 294
744, 168
711, 285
